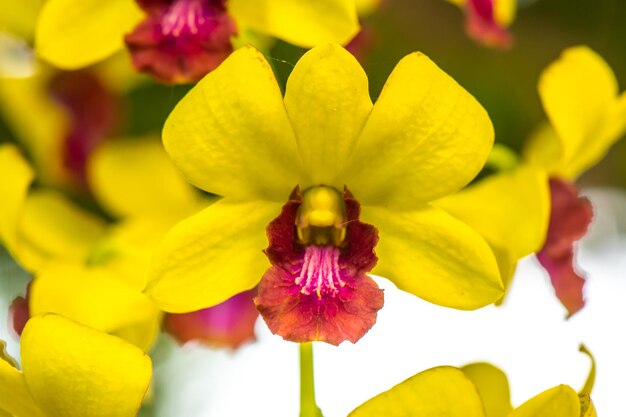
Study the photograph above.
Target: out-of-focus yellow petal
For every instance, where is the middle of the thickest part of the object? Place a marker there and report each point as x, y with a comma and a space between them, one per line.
230, 134
93, 296
136, 177
493, 387
302, 23
579, 95
144, 334
560, 401
128, 246
433, 255
53, 227
504, 11
442, 391
19, 17
75, 33
75, 371
15, 178
211, 256
426, 137
611, 129
544, 149
327, 100
367, 7
511, 210
37, 121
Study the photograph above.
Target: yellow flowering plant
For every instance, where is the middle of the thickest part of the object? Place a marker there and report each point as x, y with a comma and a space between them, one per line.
332, 161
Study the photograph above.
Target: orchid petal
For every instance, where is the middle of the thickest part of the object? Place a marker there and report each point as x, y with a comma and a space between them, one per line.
425, 138
302, 23
519, 205
51, 226
15, 178
94, 296
150, 183
431, 254
15, 398
231, 136
560, 401
579, 94
441, 391
72, 34
75, 371
327, 101
493, 387
211, 256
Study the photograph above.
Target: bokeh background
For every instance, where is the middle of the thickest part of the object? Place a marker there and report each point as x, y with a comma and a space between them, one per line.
528, 337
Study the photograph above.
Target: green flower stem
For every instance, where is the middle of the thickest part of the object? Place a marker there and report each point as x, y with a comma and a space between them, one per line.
308, 407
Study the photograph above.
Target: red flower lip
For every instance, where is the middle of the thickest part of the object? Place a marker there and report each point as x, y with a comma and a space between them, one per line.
320, 292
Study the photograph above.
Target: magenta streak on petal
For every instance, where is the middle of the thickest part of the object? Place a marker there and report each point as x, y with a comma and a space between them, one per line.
320, 272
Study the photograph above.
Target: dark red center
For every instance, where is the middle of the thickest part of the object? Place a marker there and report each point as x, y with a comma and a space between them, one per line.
319, 292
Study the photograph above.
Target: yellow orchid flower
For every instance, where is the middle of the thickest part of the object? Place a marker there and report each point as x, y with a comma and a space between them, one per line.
535, 200
487, 20
328, 147
50, 236
475, 390
587, 115
181, 40
70, 370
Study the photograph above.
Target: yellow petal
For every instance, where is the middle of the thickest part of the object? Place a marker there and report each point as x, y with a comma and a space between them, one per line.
367, 7
53, 227
426, 137
302, 23
514, 203
212, 256
75, 371
327, 100
144, 334
504, 11
230, 134
441, 391
37, 121
431, 254
579, 95
15, 399
19, 17
94, 296
149, 184
560, 401
75, 33
15, 178
493, 387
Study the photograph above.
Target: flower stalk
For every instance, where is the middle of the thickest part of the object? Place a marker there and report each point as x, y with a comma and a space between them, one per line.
308, 406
